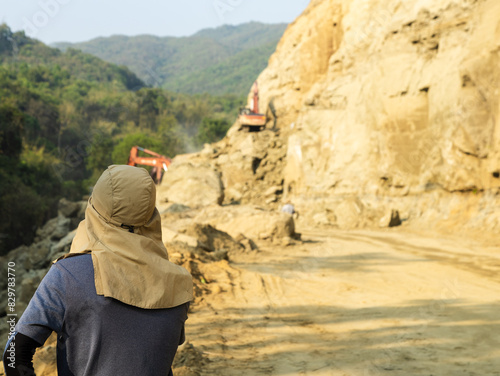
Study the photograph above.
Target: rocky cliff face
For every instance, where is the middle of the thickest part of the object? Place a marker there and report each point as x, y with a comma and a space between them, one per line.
386, 105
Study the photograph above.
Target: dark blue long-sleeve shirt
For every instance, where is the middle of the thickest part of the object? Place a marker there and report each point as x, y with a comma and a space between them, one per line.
99, 336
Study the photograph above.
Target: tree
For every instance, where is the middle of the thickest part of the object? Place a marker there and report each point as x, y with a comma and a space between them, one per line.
212, 130
99, 157
11, 131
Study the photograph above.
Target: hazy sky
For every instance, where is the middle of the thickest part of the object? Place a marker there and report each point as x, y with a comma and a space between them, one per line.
81, 20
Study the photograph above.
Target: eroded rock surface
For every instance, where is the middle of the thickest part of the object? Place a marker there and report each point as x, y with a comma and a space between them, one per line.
192, 185
380, 106
390, 99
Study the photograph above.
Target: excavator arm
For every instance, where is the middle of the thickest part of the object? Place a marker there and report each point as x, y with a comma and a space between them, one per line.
159, 162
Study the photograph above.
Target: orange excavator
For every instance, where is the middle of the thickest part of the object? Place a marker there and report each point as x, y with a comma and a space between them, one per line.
159, 162
250, 117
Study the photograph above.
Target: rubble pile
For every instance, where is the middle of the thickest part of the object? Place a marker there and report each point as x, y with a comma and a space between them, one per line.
194, 238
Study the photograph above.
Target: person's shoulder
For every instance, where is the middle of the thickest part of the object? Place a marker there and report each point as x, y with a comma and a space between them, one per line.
76, 262
76, 269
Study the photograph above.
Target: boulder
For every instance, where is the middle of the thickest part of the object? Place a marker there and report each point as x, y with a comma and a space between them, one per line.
253, 222
249, 244
271, 191
29, 284
67, 208
391, 219
189, 361
251, 165
348, 213
44, 361
62, 228
19, 256
62, 246
38, 255
55, 228
171, 236
202, 241
47, 229
211, 239
193, 185
321, 218
176, 208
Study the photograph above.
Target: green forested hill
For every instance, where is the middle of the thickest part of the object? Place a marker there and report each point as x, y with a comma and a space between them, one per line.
66, 116
225, 60
17, 48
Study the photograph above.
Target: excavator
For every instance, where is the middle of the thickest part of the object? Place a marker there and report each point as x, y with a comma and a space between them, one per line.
249, 117
159, 162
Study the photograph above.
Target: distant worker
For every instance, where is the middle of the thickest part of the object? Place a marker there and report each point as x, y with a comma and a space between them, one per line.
290, 209
117, 304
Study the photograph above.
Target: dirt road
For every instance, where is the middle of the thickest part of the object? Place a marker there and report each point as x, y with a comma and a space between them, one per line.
353, 303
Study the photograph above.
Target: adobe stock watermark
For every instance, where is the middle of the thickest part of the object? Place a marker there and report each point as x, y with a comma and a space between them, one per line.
222, 7
49, 9
155, 79
6, 35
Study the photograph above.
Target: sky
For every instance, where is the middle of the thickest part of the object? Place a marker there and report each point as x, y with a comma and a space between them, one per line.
81, 20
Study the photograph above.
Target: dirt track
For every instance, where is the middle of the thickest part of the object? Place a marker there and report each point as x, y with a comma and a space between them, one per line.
353, 303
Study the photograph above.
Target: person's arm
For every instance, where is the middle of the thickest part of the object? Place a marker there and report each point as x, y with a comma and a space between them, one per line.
183, 332
46, 309
44, 314
183, 336
18, 355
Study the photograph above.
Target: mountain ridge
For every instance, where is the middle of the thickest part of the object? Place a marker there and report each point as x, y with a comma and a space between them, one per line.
209, 54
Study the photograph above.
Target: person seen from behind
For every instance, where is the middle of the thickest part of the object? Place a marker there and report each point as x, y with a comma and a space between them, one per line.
116, 302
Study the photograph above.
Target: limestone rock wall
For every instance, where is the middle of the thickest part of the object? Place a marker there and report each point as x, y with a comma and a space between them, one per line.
383, 108
393, 100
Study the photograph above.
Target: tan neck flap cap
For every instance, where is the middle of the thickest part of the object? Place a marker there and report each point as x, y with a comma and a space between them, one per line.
122, 230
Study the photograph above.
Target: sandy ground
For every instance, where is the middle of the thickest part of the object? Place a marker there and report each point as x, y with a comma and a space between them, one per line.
357, 303
353, 303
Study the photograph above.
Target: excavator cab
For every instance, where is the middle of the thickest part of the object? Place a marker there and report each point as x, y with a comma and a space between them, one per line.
159, 162
250, 118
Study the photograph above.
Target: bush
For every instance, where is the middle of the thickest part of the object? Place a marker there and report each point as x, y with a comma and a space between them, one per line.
11, 131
